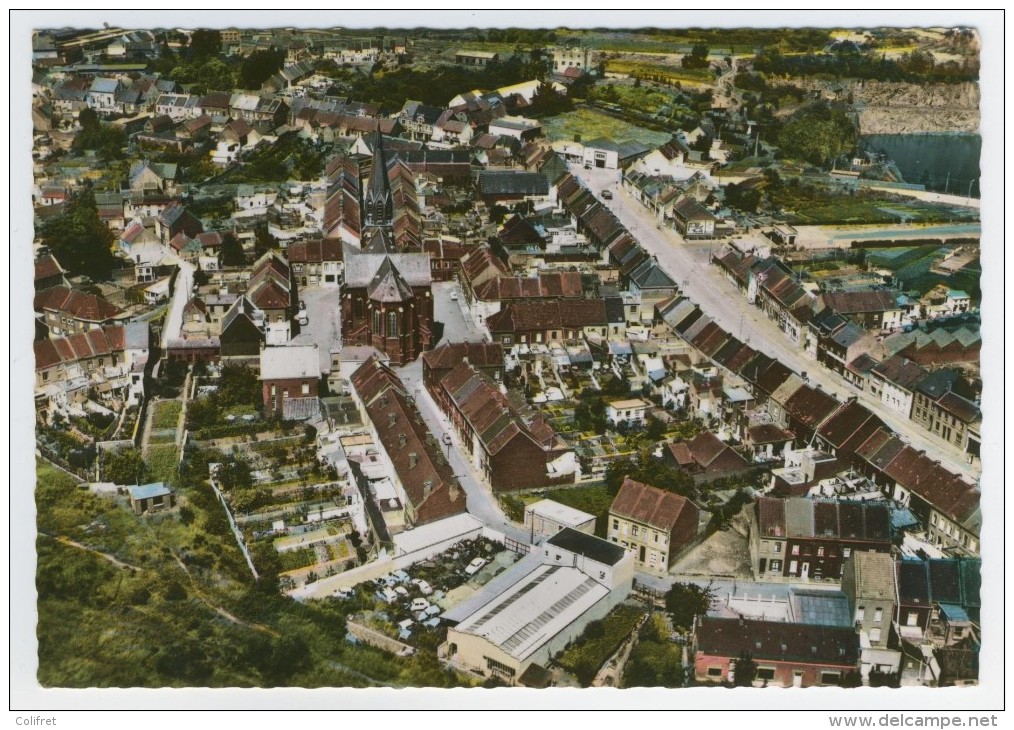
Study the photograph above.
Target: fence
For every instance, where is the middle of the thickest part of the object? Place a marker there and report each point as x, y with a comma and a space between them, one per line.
235, 529
646, 593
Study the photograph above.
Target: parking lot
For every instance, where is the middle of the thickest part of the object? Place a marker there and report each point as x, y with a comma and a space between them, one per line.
452, 314
324, 322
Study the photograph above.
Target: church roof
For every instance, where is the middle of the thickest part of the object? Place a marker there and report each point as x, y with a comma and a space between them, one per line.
378, 239
388, 285
378, 190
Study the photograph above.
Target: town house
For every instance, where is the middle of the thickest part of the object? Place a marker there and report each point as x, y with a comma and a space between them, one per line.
655, 525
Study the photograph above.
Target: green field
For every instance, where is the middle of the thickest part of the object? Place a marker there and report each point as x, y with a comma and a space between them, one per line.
590, 124
672, 74
166, 414
594, 500
163, 461
184, 612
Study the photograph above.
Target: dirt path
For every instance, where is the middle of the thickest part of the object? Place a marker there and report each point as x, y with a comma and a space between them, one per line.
218, 609
73, 543
611, 673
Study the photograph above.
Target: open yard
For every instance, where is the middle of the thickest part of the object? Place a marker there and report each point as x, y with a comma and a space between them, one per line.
726, 553
590, 124
163, 463
166, 414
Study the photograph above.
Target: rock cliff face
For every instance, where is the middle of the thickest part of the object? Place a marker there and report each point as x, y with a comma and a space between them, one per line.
899, 108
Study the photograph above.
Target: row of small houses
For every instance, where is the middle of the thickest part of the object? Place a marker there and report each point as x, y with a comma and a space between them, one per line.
839, 331
848, 431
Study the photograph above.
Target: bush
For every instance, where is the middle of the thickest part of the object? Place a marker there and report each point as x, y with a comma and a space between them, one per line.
584, 658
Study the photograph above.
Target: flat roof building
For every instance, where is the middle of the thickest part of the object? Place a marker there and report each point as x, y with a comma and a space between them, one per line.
525, 621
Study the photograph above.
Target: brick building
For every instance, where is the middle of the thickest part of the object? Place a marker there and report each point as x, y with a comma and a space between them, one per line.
288, 375
652, 524
387, 303
509, 449
801, 538
785, 654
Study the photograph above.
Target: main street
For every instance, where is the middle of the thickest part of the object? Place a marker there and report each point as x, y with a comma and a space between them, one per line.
688, 264
481, 502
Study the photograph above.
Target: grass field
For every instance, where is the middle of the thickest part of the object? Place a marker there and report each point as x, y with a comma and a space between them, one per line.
591, 124
673, 74
163, 463
594, 500
167, 414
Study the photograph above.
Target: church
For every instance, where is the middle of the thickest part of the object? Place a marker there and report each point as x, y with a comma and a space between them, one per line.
387, 300
387, 303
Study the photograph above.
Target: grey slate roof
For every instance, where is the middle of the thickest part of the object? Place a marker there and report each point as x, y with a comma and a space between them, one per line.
360, 268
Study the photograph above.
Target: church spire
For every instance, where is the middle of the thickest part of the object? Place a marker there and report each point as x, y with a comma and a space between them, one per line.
377, 200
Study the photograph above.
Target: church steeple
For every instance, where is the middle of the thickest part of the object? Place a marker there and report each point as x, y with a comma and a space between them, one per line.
377, 201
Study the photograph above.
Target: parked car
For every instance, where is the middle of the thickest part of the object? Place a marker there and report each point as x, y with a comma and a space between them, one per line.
423, 586
419, 604
607, 194
454, 296
387, 595
475, 566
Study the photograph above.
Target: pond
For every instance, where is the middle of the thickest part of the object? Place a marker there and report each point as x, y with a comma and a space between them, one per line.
941, 162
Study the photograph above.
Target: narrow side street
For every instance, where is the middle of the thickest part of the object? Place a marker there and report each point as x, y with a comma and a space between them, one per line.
482, 504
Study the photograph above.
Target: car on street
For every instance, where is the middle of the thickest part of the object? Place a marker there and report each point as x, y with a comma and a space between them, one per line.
454, 296
607, 194
475, 566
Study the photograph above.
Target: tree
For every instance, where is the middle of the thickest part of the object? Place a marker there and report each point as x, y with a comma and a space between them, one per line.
238, 385
742, 197
235, 474
818, 134
697, 58
263, 241
107, 141
746, 670
686, 601
124, 467
259, 66
205, 44
232, 251
80, 241
547, 101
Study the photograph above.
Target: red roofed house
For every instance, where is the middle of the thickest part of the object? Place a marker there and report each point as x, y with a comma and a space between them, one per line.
67, 311
316, 263
706, 458
486, 357
424, 481
653, 524
509, 449
785, 654
48, 273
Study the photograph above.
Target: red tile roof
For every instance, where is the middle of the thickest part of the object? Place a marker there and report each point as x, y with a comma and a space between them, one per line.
650, 505
77, 304
426, 476
83, 346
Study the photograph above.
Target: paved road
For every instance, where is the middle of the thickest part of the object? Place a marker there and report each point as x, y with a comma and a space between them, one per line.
480, 500
458, 325
720, 299
180, 297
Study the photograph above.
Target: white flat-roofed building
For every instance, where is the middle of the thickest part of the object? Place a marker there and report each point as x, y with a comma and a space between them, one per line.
632, 411
547, 518
526, 621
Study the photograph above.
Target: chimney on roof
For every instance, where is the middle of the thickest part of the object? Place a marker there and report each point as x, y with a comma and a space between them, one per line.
391, 418
413, 459
402, 440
